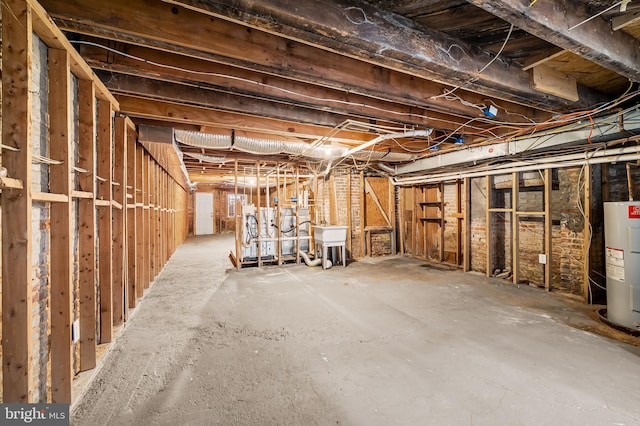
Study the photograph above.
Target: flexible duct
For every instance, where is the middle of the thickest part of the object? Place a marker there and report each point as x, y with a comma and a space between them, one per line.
258, 146
314, 262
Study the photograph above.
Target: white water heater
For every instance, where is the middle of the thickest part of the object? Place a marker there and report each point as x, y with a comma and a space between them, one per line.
622, 256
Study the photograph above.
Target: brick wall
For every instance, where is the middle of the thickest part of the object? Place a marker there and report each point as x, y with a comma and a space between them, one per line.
478, 225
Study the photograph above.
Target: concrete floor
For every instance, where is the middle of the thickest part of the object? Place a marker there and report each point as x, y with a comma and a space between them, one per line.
385, 341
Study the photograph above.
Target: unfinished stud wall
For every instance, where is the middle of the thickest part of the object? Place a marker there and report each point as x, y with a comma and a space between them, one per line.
478, 225
40, 216
58, 131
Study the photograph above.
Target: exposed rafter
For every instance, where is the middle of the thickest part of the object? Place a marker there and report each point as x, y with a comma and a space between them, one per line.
553, 21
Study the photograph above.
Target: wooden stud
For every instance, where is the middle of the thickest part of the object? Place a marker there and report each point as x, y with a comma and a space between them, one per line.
515, 222
349, 224
548, 229
459, 222
17, 351
105, 219
440, 190
467, 225
147, 222
238, 218
392, 215
488, 183
119, 287
132, 230
259, 215
587, 231
61, 274
362, 215
141, 249
87, 223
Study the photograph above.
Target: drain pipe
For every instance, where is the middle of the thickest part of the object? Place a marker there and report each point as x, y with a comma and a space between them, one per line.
314, 262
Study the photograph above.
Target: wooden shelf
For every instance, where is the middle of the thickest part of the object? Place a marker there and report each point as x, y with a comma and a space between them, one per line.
431, 219
431, 204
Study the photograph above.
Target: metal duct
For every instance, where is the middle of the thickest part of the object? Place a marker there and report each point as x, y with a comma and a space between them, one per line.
258, 146
203, 140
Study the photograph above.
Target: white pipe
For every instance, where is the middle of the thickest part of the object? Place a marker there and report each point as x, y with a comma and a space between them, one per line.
315, 262
541, 166
385, 137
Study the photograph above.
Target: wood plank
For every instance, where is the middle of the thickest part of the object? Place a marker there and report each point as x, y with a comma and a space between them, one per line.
349, 219
230, 44
368, 189
586, 285
140, 225
542, 58
82, 194
488, 186
48, 197
460, 218
17, 332
362, 215
392, 214
119, 270
105, 220
588, 39
467, 225
548, 228
548, 80
515, 223
10, 183
49, 32
386, 33
61, 274
132, 231
87, 224
619, 22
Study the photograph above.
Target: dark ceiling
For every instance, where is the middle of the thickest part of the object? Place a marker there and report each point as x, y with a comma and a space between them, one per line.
341, 73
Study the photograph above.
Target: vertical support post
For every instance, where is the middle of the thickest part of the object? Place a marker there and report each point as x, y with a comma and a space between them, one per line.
87, 223
401, 218
16, 203
148, 235
119, 229
587, 231
105, 219
363, 250
61, 232
278, 233
414, 221
548, 229
442, 222
297, 207
488, 183
467, 225
238, 218
349, 224
132, 230
141, 249
259, 214
515, 222
459, 222
392, 215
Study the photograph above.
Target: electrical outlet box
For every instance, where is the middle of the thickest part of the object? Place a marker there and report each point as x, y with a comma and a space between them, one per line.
490, 111
542, 258
75, 331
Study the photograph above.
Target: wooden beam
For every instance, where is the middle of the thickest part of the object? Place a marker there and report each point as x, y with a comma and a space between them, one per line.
87, 223
362, 214
593, 39
402, 106
105, 220
137, 107
389, 42
54, 38
10, 183
230, 44
17, 332
48, 197
619, 22
119, 238
62, 234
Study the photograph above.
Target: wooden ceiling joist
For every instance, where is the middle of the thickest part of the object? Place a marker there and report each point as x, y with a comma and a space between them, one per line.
387, 40
566, 24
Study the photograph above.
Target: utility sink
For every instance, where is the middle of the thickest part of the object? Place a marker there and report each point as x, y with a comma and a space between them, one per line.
330, 234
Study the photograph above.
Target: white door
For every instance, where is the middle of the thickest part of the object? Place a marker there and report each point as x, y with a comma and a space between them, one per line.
204, 213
